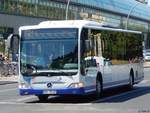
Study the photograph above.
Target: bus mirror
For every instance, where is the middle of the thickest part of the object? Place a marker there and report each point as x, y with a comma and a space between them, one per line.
87, 45
13, 43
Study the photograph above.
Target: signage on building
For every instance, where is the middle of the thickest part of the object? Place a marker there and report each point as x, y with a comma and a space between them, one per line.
84, 15
93, 17
58, 0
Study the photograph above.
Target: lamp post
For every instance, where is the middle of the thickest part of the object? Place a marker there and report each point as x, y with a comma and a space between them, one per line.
132, 8
67, 7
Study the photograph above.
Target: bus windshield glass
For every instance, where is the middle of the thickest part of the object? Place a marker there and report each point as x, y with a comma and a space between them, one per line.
49, 49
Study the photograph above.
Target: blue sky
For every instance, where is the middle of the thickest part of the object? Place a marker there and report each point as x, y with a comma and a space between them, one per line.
149, 2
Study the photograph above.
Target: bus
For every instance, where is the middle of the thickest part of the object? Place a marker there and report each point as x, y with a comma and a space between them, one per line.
77, 57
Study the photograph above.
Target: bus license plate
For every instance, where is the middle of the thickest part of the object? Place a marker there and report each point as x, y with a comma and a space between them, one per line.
49, 92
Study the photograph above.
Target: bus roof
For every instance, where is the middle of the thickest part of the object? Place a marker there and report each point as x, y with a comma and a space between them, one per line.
73, 24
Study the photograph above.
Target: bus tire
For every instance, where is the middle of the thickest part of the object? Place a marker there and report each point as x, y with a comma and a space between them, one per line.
131, 80
99, 87
42, 98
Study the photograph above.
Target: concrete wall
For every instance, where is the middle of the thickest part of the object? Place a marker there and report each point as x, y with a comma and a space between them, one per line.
15, 21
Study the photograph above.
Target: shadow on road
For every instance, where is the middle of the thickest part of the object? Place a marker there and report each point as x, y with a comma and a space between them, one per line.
68, 99
110, 96
125, 96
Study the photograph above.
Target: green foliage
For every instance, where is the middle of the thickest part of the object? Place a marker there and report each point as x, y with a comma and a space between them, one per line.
2, 46
121, 45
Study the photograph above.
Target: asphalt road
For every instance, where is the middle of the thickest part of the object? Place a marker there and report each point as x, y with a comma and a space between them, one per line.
119, 100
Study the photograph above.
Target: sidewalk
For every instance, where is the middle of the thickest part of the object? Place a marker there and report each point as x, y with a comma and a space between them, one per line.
8, 80
146, 64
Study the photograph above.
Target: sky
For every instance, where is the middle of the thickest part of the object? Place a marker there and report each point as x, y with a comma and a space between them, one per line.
148, 2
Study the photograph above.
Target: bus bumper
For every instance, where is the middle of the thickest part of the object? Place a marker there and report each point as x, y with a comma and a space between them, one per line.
78, 91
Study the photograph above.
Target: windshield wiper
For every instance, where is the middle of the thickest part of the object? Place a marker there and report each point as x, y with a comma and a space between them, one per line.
65, 73
32, 70
28, 69
59, 73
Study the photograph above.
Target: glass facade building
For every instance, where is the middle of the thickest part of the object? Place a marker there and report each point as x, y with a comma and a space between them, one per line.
112, 13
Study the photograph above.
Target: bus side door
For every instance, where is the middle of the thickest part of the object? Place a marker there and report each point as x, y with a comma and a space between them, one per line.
107, 74
90, 72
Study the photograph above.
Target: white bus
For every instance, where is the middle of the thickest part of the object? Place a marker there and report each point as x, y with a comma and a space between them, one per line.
77, 57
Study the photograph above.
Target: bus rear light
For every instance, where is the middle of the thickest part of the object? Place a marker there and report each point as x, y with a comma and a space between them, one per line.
76, 85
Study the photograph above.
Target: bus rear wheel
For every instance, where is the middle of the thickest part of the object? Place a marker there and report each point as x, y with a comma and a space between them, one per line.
131, 82
99, 88
42, 97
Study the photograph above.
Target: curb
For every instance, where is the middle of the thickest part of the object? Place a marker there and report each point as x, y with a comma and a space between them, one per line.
7, 82
146, 66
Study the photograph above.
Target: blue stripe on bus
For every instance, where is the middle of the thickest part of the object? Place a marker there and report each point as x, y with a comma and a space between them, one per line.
58, 91
90, 87
80, 91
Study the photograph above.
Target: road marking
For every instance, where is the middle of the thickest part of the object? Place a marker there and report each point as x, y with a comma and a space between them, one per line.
5, 90
116, 96
25, 98
52, 104
8, 103
144, 81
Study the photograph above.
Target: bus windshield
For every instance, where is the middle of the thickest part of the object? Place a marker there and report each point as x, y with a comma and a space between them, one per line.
49, 49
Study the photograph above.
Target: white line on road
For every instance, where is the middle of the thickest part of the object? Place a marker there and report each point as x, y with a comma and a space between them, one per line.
5, 90
25, 98
144, 81
52, 104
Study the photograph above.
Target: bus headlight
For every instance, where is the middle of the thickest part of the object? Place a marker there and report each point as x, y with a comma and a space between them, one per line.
24, 86
76, 85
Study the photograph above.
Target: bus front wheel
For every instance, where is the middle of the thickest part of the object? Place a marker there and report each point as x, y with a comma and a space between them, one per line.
42, 97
